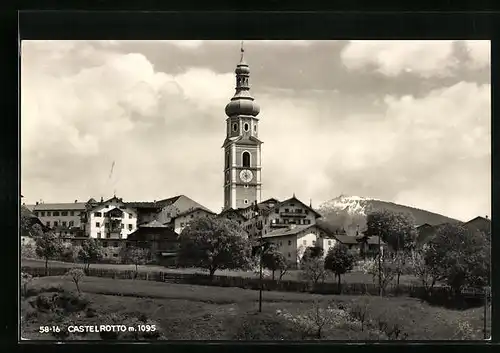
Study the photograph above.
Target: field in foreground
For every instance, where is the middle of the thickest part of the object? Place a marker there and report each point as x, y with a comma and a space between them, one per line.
186, 312
352, 277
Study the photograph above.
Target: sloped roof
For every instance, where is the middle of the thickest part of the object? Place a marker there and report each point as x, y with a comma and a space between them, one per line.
194, 209
153, 224
26, 212
287, 231
232, 211
70, 206
143, 204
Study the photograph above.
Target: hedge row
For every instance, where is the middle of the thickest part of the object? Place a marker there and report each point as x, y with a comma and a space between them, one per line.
249, 283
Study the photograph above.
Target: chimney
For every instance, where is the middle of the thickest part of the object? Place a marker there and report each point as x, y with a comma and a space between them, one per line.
76, 201
36, 203
102, 200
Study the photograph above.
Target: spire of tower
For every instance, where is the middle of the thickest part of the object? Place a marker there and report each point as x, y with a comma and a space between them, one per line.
242, 102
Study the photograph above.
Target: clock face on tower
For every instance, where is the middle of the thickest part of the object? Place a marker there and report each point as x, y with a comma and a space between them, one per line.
246, 175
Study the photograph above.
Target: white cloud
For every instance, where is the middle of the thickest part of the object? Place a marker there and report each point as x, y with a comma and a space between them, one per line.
165, 133
393, 57
479, 52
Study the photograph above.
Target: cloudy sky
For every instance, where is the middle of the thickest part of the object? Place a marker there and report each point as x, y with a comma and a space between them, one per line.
402, 121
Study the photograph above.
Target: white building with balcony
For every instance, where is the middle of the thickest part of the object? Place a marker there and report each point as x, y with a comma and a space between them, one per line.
112, 220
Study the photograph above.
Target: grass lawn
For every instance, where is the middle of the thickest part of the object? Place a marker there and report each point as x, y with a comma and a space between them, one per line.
353, 277
188, 312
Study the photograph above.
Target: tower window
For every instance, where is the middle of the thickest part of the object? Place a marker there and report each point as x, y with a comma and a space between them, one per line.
246, 127
245, 201
246, 159
235, 127
255, 128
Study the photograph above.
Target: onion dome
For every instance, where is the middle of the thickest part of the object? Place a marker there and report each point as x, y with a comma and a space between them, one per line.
242, 102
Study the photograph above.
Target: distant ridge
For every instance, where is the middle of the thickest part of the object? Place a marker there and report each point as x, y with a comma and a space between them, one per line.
349, 212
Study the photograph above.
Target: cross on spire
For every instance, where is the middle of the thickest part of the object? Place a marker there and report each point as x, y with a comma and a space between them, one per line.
242, 50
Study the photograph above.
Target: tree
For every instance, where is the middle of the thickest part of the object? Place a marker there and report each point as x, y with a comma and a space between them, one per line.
426, 274
136, 256
313, 270
398, 231
48, 246
339, 260
385, 271
459, 257
312, 252
91, 251
76, 275
213, 244
273, 260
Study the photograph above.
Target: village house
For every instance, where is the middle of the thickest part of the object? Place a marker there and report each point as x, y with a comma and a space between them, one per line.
161, 241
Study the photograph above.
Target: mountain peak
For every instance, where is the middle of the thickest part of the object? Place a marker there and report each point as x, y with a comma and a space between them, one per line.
350, 212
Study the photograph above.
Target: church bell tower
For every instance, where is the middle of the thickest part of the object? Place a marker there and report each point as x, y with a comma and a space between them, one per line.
242, 147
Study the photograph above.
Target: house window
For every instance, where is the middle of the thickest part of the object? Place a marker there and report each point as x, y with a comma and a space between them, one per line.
182, 224
71, 223
280, 243
71, 213
64, 213
105, 244
115, 244
246, 127
47, 223
122, 226
246, 159
192, 216
289, 242
42, 214
329, 242
64, 223
98, 225
292, 204
48, 213
246, 186
314, 242
115, 255
97, 214
98, 235
130, 227
289, 255
55, 213
286, 210
55, 223
304, 242
130, 215
70, 233
122, 207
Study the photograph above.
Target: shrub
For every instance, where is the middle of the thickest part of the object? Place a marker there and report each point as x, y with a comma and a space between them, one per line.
26, 279
264, 326
359, 312
44, 302
28, 251
71, 302
316, 319
31, 292
90, 312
